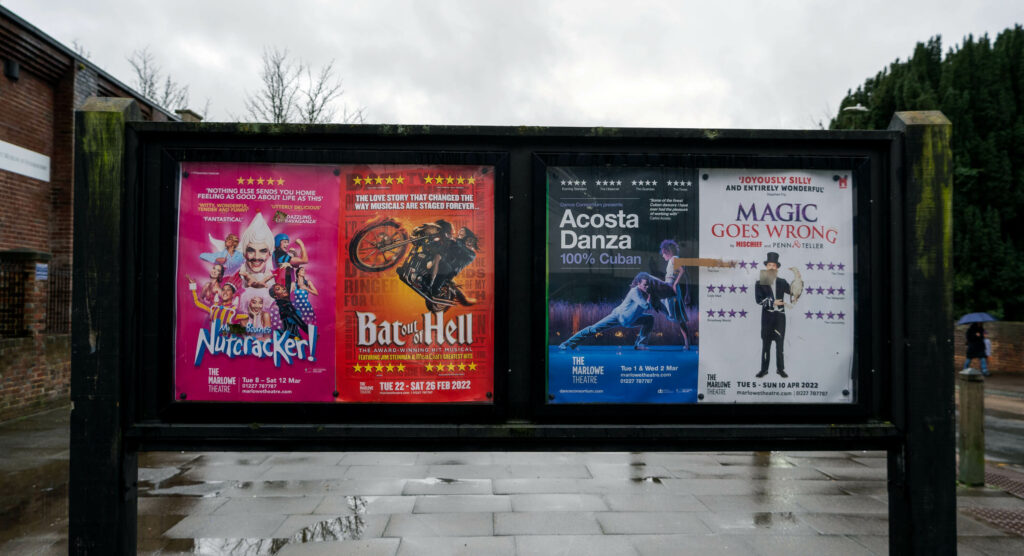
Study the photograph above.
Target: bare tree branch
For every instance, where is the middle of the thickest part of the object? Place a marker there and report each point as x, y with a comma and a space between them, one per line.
356, 116
171, 94
295, 92
319, 93
79, 48
144, 65
275, 102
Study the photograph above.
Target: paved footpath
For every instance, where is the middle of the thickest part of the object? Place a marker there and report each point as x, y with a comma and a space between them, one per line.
490, 502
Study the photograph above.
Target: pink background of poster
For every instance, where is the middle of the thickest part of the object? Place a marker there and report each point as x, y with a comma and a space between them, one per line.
217, 199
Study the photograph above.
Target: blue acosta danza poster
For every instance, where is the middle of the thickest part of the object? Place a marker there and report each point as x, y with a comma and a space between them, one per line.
622, 301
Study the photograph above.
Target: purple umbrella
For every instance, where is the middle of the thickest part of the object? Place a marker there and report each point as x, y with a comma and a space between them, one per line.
976, 317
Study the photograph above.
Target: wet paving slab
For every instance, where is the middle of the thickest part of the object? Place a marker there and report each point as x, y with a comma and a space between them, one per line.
487, 502
620, 503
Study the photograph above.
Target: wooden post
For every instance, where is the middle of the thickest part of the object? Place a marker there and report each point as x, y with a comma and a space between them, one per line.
972, 427
101, 492
922, 477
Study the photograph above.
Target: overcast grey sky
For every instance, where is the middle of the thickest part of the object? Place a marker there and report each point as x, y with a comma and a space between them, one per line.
779, 64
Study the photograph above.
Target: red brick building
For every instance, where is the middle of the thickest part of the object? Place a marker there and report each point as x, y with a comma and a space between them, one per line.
41, 85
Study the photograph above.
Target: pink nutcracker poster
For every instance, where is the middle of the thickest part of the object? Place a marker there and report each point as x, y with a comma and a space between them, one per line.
255, 282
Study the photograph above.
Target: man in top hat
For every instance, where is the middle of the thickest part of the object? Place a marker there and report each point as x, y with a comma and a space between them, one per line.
769, 292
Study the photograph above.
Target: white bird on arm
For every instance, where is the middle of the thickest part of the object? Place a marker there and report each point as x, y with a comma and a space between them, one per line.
796, 287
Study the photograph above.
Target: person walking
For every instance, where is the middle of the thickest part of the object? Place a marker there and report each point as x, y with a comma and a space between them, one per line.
976, 347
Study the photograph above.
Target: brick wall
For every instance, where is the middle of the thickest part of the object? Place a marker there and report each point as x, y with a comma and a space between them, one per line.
26, 120
36, 114
1007, 347
35, 370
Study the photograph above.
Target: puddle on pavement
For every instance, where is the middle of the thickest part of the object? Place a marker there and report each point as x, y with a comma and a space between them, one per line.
652, 480
436, 481
759, 520
767, 520
163, 482
346, 528
763, 459
44, 510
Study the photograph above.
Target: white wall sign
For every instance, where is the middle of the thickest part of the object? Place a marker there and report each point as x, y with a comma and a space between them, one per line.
23, 161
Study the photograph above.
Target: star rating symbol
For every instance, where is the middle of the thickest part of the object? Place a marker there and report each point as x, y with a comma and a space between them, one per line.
357, 368
840, 315
821, 290
358, 180
462, 366
743, 313
400, 179
809, 290
831, 266
389, 180
249, 181
711, 288
472, 366
810, 266
753, 264
259, 181
721, 289
820, 315
280, 181
460, 180
821, 266
808, 314
841, 291
429, 368
450, 180
831, 315
429, 179
743, 289
743, 264
451, 367
390, 368
840, 266
711, 313
732, 288
831, 290
732, 312
400, 368
721, 312
241, 180
378, 180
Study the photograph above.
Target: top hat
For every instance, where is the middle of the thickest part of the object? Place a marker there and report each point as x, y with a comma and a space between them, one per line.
773, 257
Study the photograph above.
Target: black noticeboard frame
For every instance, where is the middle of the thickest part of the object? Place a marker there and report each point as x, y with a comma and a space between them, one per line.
122, 389
866, 335
154, 394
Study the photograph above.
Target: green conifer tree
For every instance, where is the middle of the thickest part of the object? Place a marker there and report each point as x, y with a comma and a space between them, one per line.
979, 86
